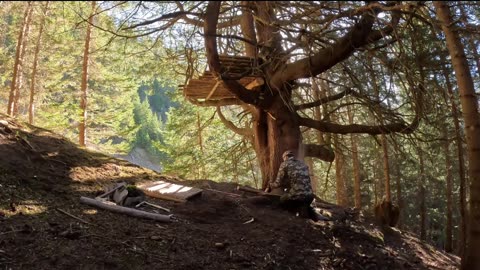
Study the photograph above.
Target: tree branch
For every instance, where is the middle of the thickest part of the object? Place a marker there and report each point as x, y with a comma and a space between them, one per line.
216, 103
327, 57
360, 35
174, 15
323, 100
248, 132
322, 152
210, 27
400, 127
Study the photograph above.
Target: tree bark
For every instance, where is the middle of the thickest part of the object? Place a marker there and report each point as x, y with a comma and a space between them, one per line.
21, 69
341, 193
398, 177
14, 87
448, 190
248, 29
386, 168
450, 99
82, 128
470, 40
471, 116
31, 105
421, 195
356, 165
383, 138
317, 114
276, 123
313, 177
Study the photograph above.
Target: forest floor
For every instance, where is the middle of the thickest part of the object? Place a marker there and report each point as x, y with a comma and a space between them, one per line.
42, 177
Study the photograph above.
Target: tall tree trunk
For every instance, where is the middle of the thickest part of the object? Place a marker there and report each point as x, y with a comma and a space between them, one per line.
383, 138
31, 105
356, 164
260, 143
317, 114
450, 99
21, 69
471, 116
248, 29
470, 40
398, 184
422, 195
376, 189
283, 133
448, 193
201, 163
313, 178
199, 132
386, 169
14, 88
341, 193
82, 128
324, 90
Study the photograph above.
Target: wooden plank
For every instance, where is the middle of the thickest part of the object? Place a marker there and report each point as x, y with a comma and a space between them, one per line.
169, 191
163, 197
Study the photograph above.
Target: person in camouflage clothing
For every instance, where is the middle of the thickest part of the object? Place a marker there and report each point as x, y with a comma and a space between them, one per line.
293, 177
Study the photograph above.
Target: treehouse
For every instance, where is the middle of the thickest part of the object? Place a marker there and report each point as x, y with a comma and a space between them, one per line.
207, 87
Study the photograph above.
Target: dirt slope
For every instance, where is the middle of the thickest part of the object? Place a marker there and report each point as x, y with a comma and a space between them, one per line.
42, 174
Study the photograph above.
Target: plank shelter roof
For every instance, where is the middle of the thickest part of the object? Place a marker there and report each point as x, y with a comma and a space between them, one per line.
207, 87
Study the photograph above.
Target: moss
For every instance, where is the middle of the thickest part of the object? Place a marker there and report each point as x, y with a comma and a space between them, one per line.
133, 191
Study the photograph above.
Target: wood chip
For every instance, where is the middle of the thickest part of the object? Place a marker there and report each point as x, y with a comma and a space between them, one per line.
249, 221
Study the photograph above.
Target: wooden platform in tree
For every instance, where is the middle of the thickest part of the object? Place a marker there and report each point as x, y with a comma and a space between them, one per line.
169, 191
207, 87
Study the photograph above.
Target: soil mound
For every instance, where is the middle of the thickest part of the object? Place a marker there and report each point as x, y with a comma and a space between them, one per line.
44, 226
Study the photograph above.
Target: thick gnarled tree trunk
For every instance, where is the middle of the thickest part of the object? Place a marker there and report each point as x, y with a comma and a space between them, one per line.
276, 122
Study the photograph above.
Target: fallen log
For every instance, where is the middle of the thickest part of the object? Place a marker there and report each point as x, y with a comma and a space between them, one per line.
125, 210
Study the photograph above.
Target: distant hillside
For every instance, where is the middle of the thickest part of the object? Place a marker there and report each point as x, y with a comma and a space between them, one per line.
141, 157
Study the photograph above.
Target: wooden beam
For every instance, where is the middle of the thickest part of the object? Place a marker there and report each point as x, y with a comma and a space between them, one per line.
257, 82
213, 89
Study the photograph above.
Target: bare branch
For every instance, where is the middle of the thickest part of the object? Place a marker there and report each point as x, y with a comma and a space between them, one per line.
322, 152
354, 128
248, 132
360, 34
174, 15
327, 57
323, 100
216, 103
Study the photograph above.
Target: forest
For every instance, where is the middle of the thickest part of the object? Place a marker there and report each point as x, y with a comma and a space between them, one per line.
379, 98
